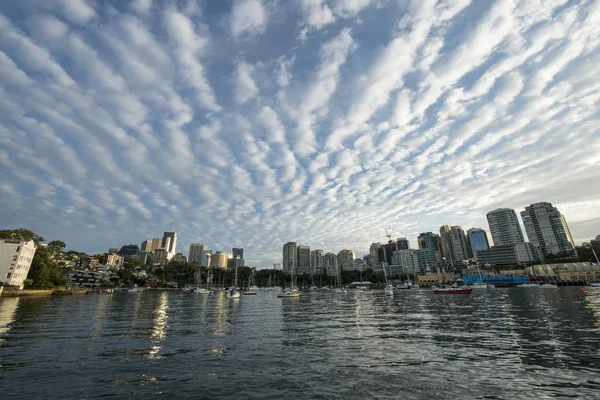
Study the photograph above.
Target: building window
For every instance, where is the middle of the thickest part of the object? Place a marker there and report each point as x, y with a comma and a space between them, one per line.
15, 258
18, 248
8, 275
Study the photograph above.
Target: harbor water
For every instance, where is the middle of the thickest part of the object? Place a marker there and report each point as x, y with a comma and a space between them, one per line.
500, 343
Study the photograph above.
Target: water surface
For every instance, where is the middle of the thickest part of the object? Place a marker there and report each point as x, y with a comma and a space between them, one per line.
503, 343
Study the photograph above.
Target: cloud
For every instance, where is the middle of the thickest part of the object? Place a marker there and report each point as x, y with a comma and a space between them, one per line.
245, 87
116, 122
248, 17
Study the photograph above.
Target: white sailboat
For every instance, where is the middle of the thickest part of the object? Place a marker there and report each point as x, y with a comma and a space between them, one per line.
389, 288
479, 284
291, 291
338, 284
234, 293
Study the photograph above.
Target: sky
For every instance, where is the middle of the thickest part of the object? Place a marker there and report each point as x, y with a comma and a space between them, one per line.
251, 123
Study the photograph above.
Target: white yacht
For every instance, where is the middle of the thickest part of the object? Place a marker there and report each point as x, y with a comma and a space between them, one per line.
529, 285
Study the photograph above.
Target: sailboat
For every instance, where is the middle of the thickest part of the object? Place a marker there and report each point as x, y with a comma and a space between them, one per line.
251, 288
479, 284
292, 291
454, 289
389, 288
530, 284
338, 284
233, 292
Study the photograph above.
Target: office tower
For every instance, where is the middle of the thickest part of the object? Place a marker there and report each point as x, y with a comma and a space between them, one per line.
547, 228
504, 227
478, 240
237, 252
455, 243
196, 253
172, 246
403, 243
290, 258
156, 243
146, 246
316, 260
432, 241
303, 260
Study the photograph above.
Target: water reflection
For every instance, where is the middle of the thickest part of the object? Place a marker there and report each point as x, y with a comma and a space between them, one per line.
592, 301
159, 330
8, 310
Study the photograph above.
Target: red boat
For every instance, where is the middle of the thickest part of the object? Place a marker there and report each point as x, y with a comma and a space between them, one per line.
453, 290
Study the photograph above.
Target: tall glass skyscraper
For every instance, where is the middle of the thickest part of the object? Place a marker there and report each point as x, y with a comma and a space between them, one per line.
478, 240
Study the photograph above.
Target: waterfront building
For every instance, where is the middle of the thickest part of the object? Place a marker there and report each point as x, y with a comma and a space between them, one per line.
478, 240
403, 243
377, 254
146, 246
277, 266
169, 242
303, 260
15, 261
129, 251
330, 263
234, 262
316, 260
432, 241
290, 257
356, 265
547, 228
455, 243
144, 257
504, 227
345, 255
404, 261
516, 254
196, 252
219, 260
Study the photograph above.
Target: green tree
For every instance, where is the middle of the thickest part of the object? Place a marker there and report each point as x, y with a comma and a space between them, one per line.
45, 273
57, 245
21, 234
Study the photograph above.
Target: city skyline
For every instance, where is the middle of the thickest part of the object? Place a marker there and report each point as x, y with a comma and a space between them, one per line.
253, 123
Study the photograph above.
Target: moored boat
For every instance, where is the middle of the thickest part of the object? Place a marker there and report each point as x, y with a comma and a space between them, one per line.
529, 285
452, 290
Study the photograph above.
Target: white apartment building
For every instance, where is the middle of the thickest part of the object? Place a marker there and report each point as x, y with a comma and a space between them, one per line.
15, 260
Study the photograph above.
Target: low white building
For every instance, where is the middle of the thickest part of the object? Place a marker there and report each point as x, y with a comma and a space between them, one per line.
15, 260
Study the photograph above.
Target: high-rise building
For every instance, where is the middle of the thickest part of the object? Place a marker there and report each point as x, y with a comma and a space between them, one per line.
478, 240
316, 260
146, 246
547, 228
455, 243
15, 260
345, 255
304, 266
171, 245
403, 243
432, 241
290, 258
377, 254
156, 243
206, 256
237, 252
277, 266
504, 227
330, 263
196, 253
219, 260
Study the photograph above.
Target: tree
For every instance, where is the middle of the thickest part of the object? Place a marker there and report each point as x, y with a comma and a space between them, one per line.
57, 245
21, 234
45, 273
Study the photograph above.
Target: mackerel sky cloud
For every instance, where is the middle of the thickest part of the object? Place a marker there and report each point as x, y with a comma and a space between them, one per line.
256, 122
